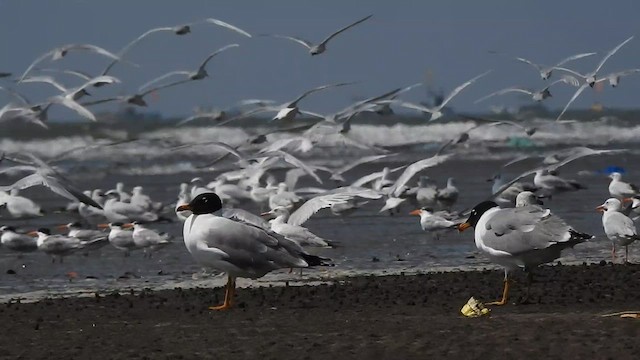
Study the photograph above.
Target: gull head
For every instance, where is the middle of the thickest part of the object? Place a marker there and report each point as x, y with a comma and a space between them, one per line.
205, 203
476, 214
616, 176
591, 80
611, 204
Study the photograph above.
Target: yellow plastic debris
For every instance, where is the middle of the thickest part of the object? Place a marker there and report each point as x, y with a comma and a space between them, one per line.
474, 308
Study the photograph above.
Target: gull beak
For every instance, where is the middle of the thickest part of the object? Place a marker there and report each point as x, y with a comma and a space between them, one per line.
415, 212
32, 233
127, 226
62, 227
601, 208
464, 226
267, 213
184, 208
103, 226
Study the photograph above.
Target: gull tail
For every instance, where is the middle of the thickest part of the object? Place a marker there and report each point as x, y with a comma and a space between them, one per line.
578, 237
314, 260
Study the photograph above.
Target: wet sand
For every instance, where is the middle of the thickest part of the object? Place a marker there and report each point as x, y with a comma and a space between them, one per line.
382, 317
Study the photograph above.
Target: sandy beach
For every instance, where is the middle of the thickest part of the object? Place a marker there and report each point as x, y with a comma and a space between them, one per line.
383, 317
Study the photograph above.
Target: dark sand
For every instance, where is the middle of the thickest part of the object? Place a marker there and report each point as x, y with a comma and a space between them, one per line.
390, 317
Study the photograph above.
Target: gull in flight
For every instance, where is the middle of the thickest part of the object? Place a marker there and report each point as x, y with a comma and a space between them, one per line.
436, 111
45, 175
135, 99
288, 110
536, 95
590, 78
198, 74
322, 46
62, 51
545, 71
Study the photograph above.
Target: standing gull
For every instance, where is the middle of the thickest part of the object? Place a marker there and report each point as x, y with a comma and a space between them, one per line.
618, 227
525, 237
236, 248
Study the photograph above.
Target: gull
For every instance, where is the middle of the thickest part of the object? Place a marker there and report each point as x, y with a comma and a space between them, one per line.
62, 51
284, 198
179, 30
620, 189
118, 211
147, 239
236, 248
144, 201
536, 95
322, 46
74, 93
135, 99
527, 198
396, 190
375, 176
337, 174
433, 223
288, 110
618, 227
448, 196
546, 71
120, 237
123, 195
614, 78
551, 184
296, 233
436, 111
90, 214
569, 155
520, 237
328, 200
427, 192
634, 209
589, 78
509, 195
198, 74
220, 115
15, 241
69, 97
20, 206
46, 176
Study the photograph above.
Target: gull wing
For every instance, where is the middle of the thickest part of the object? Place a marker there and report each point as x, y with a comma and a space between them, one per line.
228, 26
326, 40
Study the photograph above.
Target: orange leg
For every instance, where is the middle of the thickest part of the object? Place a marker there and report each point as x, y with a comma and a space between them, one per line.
626, 254
230, 291
613, 254
505, 294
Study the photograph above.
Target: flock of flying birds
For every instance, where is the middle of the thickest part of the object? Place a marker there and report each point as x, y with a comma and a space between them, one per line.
511, 226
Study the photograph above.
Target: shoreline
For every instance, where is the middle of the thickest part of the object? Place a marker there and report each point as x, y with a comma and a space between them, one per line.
392, 316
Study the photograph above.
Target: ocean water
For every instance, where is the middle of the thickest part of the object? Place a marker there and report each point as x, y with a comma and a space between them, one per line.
370, 242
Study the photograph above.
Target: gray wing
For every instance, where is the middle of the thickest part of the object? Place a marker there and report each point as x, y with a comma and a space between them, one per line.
545, 233
228, 26
319, 88
573, 57
344, 29
213, 54
298, 40
457, 90
610, 53
521, 220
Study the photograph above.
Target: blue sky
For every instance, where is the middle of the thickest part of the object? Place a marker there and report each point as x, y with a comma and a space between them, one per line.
443, 43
